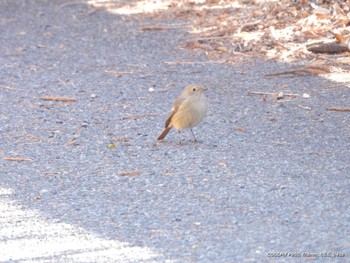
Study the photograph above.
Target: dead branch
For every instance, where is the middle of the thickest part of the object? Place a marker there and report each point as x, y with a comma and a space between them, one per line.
271, 93
135, 117
329, 48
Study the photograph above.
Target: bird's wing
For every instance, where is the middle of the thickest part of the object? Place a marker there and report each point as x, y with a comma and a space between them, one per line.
177, 104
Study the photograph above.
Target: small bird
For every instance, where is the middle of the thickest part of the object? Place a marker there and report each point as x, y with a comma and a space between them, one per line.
188, 111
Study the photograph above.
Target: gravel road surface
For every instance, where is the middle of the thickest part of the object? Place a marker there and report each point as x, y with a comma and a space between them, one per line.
268, 180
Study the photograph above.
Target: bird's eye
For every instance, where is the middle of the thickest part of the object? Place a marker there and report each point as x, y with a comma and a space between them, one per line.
194, 89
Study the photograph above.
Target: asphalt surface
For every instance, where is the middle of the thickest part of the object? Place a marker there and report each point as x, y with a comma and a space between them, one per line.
267, 181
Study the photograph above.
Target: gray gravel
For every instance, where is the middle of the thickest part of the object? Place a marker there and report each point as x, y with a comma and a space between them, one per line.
266, 176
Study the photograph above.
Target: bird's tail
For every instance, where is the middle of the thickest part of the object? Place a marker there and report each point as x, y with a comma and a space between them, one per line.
164, 133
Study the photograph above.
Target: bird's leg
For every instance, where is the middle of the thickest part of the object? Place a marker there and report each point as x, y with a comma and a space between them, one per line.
194, 137
180, 137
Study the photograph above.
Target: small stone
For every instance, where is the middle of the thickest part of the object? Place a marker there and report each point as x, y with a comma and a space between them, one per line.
306, 96
93, 96
280, 95
151, 89
43, 191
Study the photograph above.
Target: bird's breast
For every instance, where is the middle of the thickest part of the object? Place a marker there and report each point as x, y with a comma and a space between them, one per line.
190, 113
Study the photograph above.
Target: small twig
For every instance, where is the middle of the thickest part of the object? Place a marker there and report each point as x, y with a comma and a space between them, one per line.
135, 65
240, 47
303, 107
271, 93
168, 87
17, 159
313, 70
135, 117
249, 25
120, 139
145, 28
337, 109
50, 98
123, 173
192, 62
92, 12
164, 27
72, 142
6, 20
294, 49
209, 38
117, 72
260, 93
9, 88
70, 3
49, 173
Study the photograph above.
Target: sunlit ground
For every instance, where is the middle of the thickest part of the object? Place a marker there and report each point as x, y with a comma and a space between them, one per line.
134, 7
26, 237
151, 6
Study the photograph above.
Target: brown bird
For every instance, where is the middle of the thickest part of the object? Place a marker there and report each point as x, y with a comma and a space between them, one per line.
188, 111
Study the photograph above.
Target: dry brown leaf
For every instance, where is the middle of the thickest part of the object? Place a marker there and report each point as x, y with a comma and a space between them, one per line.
322, 16
339, 37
